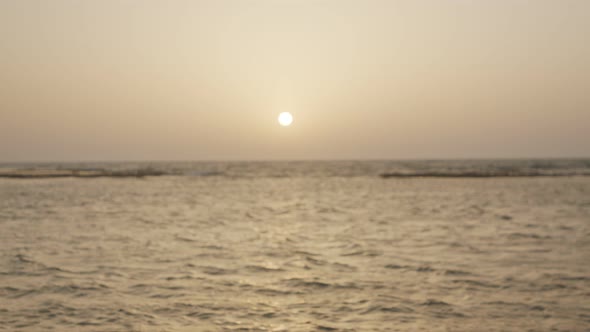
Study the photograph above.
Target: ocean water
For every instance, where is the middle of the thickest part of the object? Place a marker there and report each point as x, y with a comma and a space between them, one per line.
298, 246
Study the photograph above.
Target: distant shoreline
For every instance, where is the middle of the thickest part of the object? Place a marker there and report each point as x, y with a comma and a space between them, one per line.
79, 173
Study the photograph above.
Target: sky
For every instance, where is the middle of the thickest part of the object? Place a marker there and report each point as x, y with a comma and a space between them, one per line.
366, 79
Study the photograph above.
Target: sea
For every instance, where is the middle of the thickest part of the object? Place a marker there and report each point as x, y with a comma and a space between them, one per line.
415, 245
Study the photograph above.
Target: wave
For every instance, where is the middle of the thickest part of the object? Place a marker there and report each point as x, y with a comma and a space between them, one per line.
35, 173
203, 173
301, 283
482, 174
259, 268
306, 169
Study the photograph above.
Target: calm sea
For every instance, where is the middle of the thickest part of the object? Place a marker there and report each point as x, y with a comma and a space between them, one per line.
299, 246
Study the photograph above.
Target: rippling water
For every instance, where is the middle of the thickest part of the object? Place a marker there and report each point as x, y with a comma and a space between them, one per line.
297, 247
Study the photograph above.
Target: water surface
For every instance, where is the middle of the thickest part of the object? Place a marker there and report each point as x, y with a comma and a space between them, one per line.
296, 247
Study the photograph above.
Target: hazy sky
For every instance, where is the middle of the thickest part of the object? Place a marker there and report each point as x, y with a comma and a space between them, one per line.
198, 80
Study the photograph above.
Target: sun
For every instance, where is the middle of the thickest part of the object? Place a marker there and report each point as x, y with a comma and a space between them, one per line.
285, 119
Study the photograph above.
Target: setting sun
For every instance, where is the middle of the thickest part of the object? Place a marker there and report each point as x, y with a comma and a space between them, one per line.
285, 119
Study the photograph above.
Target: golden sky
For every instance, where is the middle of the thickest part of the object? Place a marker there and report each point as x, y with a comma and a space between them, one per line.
206, 80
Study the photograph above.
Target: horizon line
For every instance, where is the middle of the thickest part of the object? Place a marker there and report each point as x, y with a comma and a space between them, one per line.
253, 160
